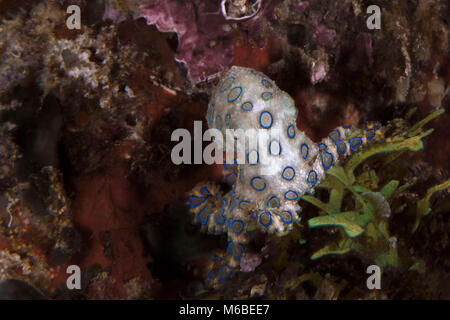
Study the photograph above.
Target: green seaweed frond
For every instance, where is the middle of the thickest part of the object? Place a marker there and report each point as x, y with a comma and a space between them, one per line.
363, 218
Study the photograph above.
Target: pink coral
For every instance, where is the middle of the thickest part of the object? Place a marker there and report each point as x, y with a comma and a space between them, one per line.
205, 39
199, 29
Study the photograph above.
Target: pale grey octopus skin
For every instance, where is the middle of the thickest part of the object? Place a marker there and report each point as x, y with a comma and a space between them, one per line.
246, 99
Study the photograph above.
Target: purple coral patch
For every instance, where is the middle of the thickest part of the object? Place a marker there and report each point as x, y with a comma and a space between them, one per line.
205, 40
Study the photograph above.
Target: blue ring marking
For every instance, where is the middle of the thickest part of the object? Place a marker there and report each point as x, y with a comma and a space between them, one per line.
322, 156
260, 117
376, 127
302, 148
258, 74
266, 95
268, 202
257, 157
231, 251
373, 134
270, 219
227, 119
351, 142
223, 218
243, 201
235, 202
247, 106
222, 90
209, 275
323, 163
347, 127
234, 99
230, 220
239, 222
253, 214
228, 176
207, 216
211, 107
293, 131
205, 190
221, 214
218, 273
266, 83
196, 198
257, 189
337, 142
309, 176
291, 195
282, 218
226, 166
293, 173
270, 148
218, 117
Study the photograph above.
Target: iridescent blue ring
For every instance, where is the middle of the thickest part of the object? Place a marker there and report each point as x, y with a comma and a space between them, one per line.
207, 216
218, 273
291, 195
266, 95
272, 198
351, 143
238, 222
247, 106
231, 251
284, 171
222, 90
252, 183
201, 200
235, 98
282, 218
293, 131
270, 219
271, 119
248, 157
309, 176
270, 148
302, 148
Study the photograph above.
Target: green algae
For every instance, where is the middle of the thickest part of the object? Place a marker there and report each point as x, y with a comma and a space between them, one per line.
363, 219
